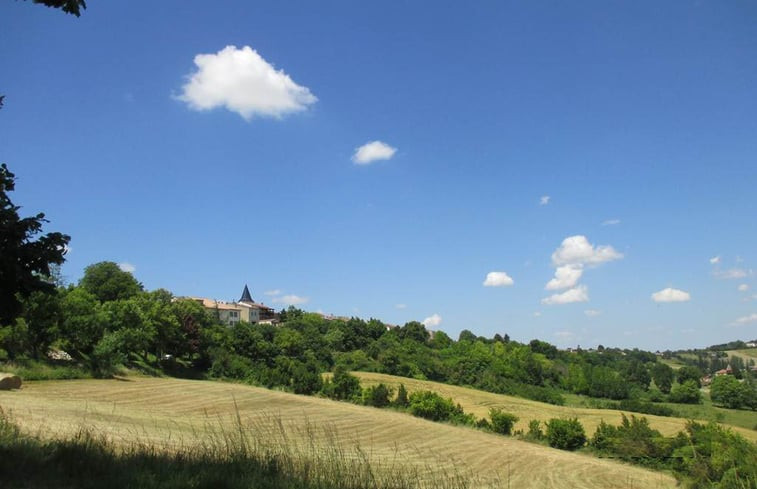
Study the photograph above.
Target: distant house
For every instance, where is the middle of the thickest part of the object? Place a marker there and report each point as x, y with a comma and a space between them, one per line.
245, 309
725, 371
752, 344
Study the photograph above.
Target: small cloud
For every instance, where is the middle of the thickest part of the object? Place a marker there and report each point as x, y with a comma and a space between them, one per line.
576, 294
241, 81
565, 335
592, 313
752, 318
565, 277
544, 200
400, 306
432, 321
272, 292
743, 287
290, 300
671, 295
715, 260
373, 151
576, 250
537, 314
611, 222
127, 267
497, 279
733, 273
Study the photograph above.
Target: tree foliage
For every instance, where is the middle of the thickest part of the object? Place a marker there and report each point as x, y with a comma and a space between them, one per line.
26, 255
72, 7
565, 434
107, 282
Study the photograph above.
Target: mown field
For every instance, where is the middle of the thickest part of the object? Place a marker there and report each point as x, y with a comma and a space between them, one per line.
479, 402
170, 413
745, 354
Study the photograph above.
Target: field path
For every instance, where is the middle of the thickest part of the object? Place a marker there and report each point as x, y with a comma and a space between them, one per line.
171, 411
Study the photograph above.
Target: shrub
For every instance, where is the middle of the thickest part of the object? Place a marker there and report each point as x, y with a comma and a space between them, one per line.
565, 434
401, 400
432, 406
377, 396
729, 392
343, 386
502, 422
686, 393
534, 430
106, 356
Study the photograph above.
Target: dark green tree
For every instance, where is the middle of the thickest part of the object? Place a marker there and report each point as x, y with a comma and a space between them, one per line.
663, 376
68, 6
689, 372
25, 256
107, 282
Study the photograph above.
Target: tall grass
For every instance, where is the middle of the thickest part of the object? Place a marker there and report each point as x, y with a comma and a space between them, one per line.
264, 452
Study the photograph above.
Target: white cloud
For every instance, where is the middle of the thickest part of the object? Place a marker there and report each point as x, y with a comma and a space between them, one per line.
537, 314
272, 292
671, 295
752, 318
497, 279
373, 151
576, 294
576, 250
733, 273
127, 267
544, 200
611, 222
592, 313
565, 277
715, 260
743, 287
243, 82
291, 300
401, 306
432, 321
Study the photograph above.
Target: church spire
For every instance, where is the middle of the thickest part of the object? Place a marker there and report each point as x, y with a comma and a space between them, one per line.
246, 297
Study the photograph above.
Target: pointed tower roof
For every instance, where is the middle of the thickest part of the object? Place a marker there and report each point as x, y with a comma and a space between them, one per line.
246, 297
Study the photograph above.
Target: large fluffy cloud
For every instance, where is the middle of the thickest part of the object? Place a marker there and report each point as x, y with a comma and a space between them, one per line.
243, 82
671, 295
373, 151
565, 277
576, 294
497, 279
576, 250
569, 259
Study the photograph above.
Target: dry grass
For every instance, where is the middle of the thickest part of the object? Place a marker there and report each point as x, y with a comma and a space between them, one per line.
479, 402
172, 412
746, 354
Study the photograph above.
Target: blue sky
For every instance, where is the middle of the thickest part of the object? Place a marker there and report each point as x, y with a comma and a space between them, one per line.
638, 121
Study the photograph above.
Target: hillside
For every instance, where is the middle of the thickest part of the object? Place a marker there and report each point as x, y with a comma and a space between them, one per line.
479, 402
171, 412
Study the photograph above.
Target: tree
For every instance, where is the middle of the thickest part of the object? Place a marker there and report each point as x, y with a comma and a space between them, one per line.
107, 282
24, 261
686, 393
663, 376
690, 373
72, 7
728, 392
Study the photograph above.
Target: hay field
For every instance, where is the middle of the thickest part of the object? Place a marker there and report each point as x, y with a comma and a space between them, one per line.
746, 354
170, 412
479, 402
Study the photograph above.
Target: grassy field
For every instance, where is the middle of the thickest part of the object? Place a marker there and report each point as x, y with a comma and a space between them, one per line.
745, 354
172, 413
479, 403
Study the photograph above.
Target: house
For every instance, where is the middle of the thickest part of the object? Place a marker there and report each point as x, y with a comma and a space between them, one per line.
726, 371
245, 309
